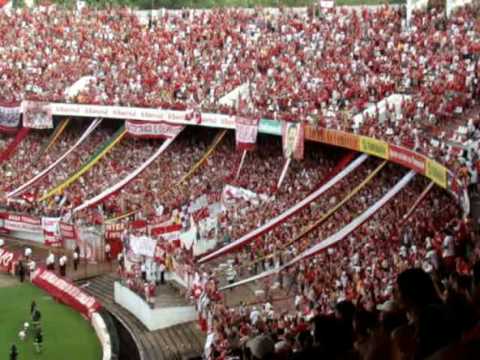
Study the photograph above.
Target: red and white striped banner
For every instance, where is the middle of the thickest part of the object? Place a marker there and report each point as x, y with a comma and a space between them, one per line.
246, 130
23, 223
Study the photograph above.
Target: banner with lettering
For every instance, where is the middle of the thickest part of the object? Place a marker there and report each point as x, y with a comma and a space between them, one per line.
9, 117
23, 223
51, 231
37, 115
114, 231
67, 231
8, 259
152, 130
65, 292
293, 135
246, 130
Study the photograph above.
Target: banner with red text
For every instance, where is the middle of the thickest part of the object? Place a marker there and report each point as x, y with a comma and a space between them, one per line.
37, 115
246, 130
9, 117
65, 292
51, 231
293, 135
23, 223
149, 129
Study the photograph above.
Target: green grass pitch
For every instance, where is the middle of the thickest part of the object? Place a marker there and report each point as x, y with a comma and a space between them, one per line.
66, 334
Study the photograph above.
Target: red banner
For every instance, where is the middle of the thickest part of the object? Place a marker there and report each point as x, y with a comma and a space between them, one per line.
37, 115
407, 158
151, 130
8, 260
65, 292
114, 231
67, 231
246, 131
165, 230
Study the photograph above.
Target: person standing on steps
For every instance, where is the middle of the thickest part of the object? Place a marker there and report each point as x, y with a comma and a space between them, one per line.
76, 258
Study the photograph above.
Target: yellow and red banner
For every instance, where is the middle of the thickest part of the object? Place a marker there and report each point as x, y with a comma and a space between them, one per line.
374, 147
437, 173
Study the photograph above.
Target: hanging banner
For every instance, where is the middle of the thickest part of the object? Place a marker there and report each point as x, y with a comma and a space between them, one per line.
152, 130
164, 230
437, 173
246, 130
45, 171
23, 223
65, 292
272, 127
37, 115
333, 137
407, 158
142, 245
67, 231
282, 217
51, 231
9, 117
114, 231
8, 259
293, 140
374, 147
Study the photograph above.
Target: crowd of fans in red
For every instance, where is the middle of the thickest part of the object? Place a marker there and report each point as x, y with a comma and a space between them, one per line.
321, 70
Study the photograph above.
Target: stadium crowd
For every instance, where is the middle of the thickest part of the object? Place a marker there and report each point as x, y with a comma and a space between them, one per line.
298, 67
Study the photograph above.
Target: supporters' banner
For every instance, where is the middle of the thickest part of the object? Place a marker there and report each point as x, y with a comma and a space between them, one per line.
8, 259
23, 223
65, 292
437, 173
246, 130
272, 127
163, 230
37, 115
142, 245
231, 194
338, 236
114, 231
51, 231
9, 117
67, 231
104, 149
333, 137
127, 179
279, 219
374, 147
407, 158
12, 146
293, 140
149, 129
45, 171
90, 242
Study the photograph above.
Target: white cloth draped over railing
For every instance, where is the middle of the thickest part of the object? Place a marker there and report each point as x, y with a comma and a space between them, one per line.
338, 236
29, 183
286, 214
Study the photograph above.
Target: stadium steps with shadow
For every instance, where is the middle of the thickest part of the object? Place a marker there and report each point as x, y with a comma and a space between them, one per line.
180, 342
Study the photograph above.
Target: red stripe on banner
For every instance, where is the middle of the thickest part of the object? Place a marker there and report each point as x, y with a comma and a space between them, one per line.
8, 152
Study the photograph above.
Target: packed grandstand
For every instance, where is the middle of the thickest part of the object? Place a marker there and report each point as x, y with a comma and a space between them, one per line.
305, 179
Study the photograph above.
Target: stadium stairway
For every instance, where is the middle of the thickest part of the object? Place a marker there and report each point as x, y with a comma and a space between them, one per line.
180, 342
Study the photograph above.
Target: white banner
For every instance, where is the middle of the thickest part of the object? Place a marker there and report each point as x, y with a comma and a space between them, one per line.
44, 172
143, 245
339, 235
246, 131
37, 115
148, 129
23, 223
51, 231
283, 216
231, 194
146, 114
104, 194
